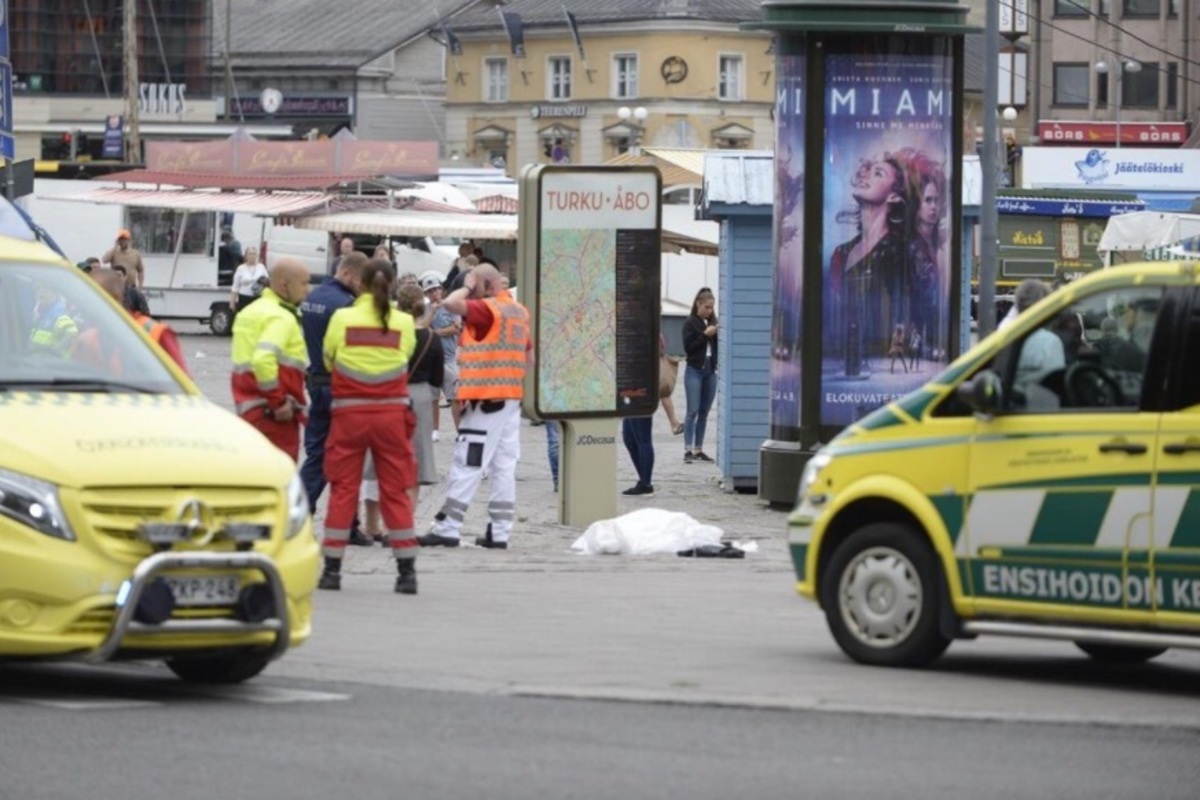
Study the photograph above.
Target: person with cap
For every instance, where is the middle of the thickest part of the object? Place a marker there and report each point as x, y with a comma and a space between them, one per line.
269, 358
447, 327
492, 359
124, 254
315, 312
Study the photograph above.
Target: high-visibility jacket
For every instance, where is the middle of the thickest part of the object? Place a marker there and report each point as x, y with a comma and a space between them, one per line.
367, 362
493, 368
269, 358
162, 335
53, 328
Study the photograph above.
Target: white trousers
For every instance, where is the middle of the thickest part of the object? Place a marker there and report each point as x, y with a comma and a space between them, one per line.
485, 443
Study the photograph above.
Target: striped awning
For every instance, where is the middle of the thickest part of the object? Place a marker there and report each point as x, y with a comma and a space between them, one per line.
497, 204
411, 222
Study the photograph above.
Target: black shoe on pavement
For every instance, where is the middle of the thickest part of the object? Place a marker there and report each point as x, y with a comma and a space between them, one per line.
360, 539
437, 540
702, 456
640, 489
330, 580
490, 543
688, 458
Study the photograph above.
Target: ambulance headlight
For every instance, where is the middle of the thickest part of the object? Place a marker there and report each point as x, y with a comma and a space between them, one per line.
808, 478
297, 506
33, 503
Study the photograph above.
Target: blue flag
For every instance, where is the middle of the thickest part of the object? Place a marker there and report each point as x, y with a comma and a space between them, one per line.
515, 30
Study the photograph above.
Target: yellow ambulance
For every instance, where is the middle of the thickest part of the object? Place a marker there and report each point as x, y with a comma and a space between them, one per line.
1046, 484
138, 520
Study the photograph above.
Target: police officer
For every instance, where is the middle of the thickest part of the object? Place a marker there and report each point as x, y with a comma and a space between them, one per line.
367, 349
269, 359
315, 313
492, 358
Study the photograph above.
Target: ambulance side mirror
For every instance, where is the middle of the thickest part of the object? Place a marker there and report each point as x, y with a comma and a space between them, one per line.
984, 393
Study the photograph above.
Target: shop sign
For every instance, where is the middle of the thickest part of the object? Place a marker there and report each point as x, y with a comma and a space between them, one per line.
1168, 134
552, 110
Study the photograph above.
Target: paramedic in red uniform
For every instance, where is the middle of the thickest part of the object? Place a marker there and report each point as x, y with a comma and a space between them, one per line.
367, 348
493, 355
269, 358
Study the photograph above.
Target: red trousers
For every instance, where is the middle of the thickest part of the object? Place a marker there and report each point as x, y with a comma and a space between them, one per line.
387, 433
284, 435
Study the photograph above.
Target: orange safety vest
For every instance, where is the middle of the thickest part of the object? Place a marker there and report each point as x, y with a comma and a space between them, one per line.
153, 328
493, 368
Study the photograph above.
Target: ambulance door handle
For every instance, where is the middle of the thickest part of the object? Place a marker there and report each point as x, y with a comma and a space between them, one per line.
1179, 448
1132, 448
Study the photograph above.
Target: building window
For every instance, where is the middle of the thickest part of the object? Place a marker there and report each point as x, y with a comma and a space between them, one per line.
496, 72
625, 76
559, 76
1071, 8
1071, 84
1140, 89
1173, 8
1140, 8
729, 78
1102, 91
1105, 8
1173, 85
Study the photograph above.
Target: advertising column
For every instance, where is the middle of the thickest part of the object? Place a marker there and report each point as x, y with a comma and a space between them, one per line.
867, 297
887, 233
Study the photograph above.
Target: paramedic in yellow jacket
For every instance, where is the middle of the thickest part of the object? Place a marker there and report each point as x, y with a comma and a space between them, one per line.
269, 358
493, 354
367, 348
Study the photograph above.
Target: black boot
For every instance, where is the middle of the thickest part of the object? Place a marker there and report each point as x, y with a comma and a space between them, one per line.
331, 577
406, 581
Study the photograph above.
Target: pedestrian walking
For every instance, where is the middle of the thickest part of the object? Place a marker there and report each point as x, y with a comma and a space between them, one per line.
315, 312
367, 349
492, 359
248, 281
269, 358
700, 377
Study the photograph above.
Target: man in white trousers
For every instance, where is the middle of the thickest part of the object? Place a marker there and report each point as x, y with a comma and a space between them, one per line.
493, 355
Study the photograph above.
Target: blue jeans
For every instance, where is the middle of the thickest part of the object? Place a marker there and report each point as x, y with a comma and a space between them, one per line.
636, 431
312, 472
552, 438
700, 386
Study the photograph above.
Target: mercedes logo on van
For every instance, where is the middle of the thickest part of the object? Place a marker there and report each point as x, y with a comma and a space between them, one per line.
199, 521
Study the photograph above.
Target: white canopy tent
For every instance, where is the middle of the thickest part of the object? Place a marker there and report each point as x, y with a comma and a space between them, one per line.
1139, 231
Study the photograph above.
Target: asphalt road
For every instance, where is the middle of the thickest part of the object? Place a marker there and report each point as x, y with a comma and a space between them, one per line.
157, 739
536, 672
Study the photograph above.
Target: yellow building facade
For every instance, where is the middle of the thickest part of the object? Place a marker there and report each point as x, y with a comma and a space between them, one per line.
687, 84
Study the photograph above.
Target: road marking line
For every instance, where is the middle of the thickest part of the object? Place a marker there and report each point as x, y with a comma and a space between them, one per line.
270, 694
69, 704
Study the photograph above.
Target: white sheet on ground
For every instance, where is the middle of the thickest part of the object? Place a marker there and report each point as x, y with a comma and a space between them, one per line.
650, 530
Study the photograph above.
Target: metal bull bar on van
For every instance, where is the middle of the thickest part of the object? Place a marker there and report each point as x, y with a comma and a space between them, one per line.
146, 575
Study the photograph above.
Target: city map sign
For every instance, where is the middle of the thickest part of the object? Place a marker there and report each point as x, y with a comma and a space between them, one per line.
595, 302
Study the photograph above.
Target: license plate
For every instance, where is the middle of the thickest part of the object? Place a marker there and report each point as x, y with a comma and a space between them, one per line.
206, 590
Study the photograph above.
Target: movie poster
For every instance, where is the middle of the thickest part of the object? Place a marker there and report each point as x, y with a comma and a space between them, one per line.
789, 246
886, 234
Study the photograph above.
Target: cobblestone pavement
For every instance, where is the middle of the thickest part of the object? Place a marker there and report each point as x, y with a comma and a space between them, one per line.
539, 542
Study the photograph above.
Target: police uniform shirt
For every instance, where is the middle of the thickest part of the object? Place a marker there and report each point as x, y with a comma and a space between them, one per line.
315, 313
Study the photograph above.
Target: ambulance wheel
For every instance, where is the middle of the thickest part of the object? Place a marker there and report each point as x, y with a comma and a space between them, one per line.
1120, 654
218, 669
881, 594
221, 321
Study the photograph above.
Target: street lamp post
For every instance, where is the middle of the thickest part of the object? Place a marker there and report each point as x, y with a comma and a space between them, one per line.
639, 114
1130, 66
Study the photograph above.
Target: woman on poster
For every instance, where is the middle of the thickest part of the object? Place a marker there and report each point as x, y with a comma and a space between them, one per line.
868, 275
928, 252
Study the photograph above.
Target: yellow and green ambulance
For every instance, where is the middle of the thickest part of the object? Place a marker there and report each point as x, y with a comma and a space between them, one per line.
1046, 484
138, 520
